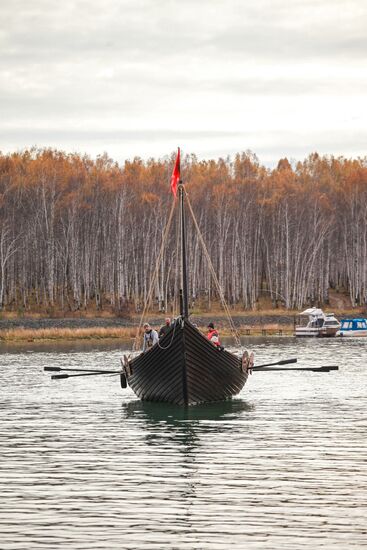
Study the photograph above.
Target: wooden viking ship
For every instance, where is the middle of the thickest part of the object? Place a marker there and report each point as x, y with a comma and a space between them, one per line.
184, 367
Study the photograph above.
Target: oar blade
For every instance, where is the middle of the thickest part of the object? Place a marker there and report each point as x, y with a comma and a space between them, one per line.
309, 369
281, 362
59, 376
57, 369
328, 368
85, 370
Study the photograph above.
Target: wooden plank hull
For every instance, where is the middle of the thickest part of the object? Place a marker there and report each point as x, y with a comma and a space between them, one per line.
184, 368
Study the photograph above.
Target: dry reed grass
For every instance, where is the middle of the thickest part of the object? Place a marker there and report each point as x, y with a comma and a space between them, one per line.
123, 333
96, 333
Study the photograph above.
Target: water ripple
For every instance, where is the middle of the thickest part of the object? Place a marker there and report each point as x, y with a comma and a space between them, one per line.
87, 466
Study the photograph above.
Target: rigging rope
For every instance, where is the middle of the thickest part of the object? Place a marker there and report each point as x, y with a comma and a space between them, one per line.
172, 337
155, 274
211, 267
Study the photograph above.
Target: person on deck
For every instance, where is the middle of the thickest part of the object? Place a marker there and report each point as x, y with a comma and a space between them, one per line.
150, 337
213, 335
163, 330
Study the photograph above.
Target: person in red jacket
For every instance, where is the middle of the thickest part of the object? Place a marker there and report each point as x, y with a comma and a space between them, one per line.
213, 336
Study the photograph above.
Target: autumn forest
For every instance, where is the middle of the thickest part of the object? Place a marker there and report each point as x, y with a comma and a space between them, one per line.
77, 233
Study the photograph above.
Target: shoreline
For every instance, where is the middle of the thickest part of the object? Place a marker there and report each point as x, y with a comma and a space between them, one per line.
20, 329
28, 329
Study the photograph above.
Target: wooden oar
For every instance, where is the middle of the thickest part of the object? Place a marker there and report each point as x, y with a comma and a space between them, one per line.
59, 376
282, 362
97, 371
312, 369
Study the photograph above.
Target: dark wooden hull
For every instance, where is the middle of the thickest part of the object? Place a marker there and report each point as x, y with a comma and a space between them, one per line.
184, 368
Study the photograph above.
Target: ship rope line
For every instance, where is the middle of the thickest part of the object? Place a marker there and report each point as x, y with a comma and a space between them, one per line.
176, 313
215, 278
233, 329
155, 275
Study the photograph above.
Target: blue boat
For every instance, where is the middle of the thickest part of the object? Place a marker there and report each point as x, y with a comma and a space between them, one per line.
353, 327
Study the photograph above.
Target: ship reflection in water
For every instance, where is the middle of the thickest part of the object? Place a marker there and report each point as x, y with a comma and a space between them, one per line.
174, 415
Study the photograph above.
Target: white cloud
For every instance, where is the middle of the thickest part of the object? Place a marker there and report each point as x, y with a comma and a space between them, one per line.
141, 77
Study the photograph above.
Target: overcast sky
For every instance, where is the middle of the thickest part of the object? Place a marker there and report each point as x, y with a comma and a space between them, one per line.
140, 77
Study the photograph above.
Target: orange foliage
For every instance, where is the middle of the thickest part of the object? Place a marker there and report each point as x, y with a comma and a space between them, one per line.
45, 193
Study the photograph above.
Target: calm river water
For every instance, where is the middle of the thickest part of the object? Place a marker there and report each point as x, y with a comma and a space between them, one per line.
85, 465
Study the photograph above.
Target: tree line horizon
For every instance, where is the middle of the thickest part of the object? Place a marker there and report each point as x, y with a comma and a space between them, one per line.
77, 233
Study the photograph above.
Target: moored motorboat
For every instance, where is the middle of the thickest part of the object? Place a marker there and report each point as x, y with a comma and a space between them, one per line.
353, 327
319, 324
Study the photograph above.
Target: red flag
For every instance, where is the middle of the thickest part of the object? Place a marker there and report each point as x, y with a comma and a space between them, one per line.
175, 178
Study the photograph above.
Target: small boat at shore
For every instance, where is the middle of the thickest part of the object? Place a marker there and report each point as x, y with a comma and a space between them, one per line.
320, 324
353, 327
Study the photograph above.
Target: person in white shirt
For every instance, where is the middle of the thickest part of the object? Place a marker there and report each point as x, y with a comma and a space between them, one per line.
150, 337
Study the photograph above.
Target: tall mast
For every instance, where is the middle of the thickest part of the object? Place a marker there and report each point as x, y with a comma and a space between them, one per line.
184, 283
